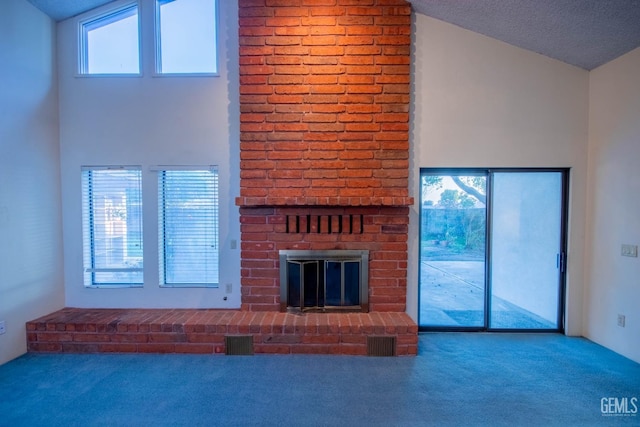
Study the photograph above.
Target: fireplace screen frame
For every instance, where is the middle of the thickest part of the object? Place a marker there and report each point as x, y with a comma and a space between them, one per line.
302, 257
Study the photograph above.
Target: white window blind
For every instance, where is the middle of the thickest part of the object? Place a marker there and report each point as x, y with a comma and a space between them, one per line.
188, 227
112, 226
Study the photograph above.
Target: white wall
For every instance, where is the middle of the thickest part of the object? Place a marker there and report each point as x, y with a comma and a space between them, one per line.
31, 282
478, 102
150, 121
614, 205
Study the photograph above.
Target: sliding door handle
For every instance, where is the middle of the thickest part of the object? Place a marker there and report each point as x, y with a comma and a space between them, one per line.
561, 261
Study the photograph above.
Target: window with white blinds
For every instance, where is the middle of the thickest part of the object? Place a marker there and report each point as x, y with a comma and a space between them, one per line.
188, 227
112, 226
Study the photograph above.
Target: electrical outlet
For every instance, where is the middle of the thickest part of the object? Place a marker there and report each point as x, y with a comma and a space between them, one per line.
629, 250
3, 328
621, 320
228, 288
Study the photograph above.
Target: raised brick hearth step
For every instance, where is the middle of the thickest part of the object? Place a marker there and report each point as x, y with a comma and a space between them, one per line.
80, 330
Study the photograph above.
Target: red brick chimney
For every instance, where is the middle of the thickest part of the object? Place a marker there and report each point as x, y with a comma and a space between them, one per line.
324, 139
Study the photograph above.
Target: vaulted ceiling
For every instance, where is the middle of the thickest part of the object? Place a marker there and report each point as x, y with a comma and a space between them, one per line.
584, 33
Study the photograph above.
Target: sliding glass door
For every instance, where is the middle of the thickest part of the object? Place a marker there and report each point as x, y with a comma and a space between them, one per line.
526, 250
492, 249
453, 250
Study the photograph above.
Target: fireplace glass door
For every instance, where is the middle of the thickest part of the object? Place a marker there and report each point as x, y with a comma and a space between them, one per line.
342, 283
315, 281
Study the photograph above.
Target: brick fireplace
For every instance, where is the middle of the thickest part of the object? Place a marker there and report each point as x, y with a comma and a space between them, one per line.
324, 158
264, 234
324, 140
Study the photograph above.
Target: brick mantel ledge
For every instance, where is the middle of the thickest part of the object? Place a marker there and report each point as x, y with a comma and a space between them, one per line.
324, 201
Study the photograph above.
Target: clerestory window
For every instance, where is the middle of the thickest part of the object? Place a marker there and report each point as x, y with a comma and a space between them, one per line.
186, 40
110, 43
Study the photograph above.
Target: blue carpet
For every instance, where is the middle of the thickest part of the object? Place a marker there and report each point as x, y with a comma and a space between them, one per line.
457, 379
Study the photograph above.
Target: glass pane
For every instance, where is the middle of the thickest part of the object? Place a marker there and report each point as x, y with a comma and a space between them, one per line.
189, 226
187, 36
525, 246
112, 209
293, 285
452, 248
351, 283
334, 283
112, 44
311, 284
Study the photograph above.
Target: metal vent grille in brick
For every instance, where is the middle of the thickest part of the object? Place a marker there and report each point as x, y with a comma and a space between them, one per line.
325, 224
238, 345
381, 346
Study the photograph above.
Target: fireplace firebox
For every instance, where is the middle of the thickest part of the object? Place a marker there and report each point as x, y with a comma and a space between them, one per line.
324, 281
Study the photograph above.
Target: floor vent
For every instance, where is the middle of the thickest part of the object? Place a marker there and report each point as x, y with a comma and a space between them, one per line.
381, 346
238, 345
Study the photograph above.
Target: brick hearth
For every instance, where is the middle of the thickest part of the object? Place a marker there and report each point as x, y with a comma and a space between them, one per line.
74, 330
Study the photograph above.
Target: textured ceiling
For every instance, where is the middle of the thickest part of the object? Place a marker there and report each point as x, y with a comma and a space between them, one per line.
59, 10
584, 33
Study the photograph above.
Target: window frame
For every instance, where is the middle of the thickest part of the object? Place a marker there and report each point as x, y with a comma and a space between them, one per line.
157, 40
88, 232
105, 17
162, 262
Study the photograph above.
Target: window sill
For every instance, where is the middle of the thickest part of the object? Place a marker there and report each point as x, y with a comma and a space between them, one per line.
186, 74
109, 75
191, 285
115, 286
